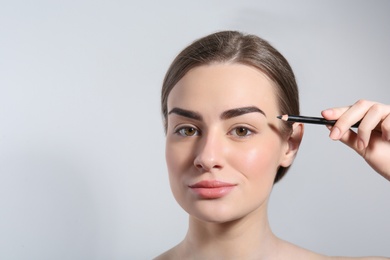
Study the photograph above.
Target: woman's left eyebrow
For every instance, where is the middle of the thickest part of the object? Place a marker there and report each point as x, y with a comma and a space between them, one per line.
240, 111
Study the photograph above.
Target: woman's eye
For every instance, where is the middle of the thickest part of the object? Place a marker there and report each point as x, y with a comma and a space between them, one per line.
187, 131
241, 131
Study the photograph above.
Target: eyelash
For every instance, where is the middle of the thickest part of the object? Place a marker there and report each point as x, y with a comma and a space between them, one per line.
181, 131
249, 131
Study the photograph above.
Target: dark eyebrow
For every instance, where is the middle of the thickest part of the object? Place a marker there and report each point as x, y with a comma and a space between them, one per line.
240, 111
186, 113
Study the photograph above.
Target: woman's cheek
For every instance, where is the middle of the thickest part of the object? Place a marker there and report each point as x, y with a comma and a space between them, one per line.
255, 159
175, 167
173, 159
178, 157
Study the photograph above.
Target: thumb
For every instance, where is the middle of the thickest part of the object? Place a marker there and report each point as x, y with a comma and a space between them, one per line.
333, 113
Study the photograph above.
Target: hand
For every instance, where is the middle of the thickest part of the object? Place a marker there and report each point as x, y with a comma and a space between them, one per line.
372, 140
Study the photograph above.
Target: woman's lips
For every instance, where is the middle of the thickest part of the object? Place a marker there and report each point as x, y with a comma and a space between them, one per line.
211, 189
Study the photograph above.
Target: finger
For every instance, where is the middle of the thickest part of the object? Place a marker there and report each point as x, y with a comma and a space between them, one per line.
385, 128
349, 117
371, 120
350, 138
334, 113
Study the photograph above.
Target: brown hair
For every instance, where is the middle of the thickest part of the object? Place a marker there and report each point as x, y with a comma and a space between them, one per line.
233, 46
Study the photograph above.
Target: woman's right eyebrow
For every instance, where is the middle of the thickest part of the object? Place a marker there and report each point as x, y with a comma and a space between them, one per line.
186, 113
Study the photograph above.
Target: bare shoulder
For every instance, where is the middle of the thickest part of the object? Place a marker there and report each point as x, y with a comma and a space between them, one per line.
168, 255
286, 251
296, 252
164, 256
291, 251
360, 258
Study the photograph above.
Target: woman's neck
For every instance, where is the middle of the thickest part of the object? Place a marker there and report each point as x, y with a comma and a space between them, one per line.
245, 238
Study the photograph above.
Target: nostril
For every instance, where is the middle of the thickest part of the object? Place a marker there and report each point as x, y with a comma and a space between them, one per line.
209, 154
204, 167
217, 167
199, 166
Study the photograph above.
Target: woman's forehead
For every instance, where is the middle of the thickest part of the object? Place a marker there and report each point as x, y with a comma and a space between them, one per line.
226, 85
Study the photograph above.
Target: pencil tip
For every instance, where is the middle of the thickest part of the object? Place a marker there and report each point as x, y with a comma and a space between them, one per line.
283, 117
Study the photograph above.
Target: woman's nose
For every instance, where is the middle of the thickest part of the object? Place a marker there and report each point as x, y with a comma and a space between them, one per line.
210, 153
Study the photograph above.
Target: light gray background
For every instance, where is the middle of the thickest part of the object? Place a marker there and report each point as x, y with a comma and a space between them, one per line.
82, 168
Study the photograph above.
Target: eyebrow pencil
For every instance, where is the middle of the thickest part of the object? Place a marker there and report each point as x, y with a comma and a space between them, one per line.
310, 120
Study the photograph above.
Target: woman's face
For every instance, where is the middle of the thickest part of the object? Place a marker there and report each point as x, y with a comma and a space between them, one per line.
223, 144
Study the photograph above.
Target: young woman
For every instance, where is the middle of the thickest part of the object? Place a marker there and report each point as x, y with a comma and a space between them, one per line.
225, 147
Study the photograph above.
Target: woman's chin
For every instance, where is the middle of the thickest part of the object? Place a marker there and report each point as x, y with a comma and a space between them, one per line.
218, 214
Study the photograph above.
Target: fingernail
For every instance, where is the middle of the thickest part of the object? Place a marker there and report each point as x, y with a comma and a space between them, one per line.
335, 133
327, 111
360, 144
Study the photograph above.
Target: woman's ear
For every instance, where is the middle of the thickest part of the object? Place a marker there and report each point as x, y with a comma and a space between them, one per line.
293, 142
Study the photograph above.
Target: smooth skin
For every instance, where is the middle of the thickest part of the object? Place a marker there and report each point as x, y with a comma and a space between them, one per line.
212, 135
372, 140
